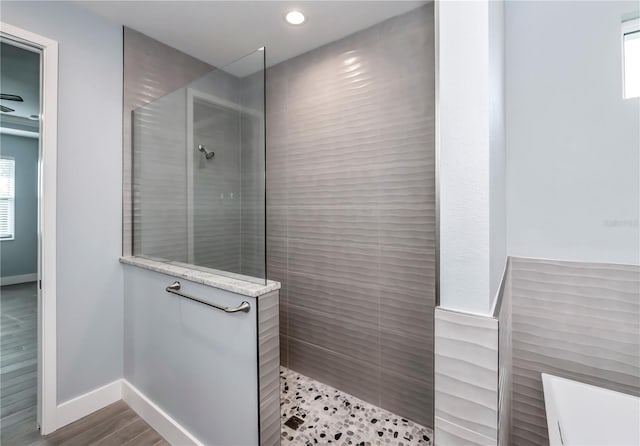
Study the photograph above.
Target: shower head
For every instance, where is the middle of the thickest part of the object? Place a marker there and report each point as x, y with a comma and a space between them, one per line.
208, 155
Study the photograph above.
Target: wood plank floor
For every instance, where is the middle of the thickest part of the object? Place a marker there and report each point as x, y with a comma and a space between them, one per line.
115, 425
18, 353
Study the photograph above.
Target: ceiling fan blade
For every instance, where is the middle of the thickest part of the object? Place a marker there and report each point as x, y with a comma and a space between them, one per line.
6, 109
11, 97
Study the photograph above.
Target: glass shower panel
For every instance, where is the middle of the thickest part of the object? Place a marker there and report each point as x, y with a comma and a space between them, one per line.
199, 173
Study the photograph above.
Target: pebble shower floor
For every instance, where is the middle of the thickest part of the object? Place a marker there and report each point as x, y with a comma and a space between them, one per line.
334, 417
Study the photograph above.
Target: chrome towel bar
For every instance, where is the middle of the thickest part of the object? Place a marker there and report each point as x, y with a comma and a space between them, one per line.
174, 288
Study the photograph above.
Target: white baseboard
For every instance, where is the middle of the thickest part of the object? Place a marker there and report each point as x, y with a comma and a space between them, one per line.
86, 404
14, 280
121, 389
158, 419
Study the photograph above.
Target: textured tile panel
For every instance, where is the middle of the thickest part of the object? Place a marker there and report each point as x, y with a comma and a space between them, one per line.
269, 369
351, 212
151, 70
450, 434
413, 397
505, 362
225, 195
335, 369
338, 332
576, 320
253, 159
328, 296
466, 371
160, 228
408, 312
332, 259
407, 356
217, 187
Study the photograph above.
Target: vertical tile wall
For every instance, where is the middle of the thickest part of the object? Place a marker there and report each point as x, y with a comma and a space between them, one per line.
473, 379
228, 195
350, 216
151, 70
466, 379
252, 229
572, 319
160, 205
269, 369
505, 359
576, 320
217, 184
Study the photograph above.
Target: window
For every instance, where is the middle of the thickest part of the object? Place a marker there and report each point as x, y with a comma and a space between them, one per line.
7, 198
631, 58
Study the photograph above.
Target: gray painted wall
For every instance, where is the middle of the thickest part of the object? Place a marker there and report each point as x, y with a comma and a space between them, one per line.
573, 165
200, 365
89, 293
350, 215
573, 194
20, 256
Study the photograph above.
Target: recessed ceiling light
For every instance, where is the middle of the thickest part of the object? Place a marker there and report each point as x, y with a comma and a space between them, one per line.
295, 17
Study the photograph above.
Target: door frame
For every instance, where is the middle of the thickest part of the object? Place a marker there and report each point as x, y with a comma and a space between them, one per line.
47, 193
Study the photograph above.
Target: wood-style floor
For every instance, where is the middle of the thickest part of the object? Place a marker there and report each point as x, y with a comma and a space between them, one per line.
18, 353
115, 425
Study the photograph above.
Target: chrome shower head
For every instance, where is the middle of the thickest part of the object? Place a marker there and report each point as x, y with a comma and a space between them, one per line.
204, 150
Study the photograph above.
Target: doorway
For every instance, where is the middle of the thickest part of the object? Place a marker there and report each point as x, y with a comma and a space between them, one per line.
19, 266
28, 152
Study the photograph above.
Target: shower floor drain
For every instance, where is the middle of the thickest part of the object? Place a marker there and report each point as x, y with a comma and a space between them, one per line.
294, 422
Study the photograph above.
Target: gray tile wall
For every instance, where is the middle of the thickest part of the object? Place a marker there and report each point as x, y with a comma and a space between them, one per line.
576, 320
505, 360
253, 230
228, 192
217, 186
269, 369
159, 205
351, 214
151, 70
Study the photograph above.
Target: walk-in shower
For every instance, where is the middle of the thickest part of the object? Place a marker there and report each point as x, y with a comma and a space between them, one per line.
351, 233
317, 172
198, 172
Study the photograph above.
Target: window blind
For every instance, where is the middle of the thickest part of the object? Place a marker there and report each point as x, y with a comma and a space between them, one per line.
7, 197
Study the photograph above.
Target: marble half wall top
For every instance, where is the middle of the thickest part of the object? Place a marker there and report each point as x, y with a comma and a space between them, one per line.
234, 283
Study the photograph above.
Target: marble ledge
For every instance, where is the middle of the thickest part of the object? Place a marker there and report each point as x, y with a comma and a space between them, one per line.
231, 282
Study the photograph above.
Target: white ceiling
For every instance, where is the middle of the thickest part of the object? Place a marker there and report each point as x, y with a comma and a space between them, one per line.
219, 32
